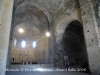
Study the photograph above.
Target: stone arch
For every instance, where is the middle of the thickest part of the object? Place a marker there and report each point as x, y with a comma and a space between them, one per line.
46, 14
75, 42
61, 29
35, 15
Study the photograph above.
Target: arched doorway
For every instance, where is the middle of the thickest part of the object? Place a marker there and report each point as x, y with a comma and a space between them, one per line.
74, 45
30, 47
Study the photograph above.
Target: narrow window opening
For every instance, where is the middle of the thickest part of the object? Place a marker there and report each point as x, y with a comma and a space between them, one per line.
34, 44
15, 42
23, 44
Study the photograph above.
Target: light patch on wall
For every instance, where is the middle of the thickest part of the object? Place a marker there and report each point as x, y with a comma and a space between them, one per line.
15, 42
34, 44
23, 44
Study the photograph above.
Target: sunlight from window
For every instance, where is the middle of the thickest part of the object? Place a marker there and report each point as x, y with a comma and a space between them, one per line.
34, 44
15, 42
23, 44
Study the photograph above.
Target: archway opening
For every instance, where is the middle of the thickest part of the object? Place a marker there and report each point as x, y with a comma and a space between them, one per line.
74, 45
28, 44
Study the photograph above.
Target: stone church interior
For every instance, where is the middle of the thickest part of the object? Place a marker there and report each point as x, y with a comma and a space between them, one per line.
43, 34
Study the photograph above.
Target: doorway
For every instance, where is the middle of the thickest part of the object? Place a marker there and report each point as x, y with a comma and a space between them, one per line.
74, 45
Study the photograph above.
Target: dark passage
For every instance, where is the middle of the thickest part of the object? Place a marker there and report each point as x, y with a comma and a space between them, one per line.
74, 44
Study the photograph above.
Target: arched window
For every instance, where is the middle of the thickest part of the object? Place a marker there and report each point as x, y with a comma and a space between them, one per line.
15, 42
23, 44
34, 44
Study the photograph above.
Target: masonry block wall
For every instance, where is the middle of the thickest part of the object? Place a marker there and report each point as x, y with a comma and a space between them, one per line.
39, 55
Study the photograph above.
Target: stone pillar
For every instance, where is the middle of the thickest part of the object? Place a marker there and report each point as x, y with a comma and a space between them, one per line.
51, 52
52, 47
46, 40
4, 34
1, 9
92, 37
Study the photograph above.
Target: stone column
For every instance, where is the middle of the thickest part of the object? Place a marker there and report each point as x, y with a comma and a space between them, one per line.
1, 9
92, 37
4, 34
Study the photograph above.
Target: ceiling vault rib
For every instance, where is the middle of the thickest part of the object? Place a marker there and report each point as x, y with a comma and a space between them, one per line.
43, 10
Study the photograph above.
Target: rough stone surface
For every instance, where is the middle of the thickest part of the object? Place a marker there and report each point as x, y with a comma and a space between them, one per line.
91, 34
55, 15
1, 10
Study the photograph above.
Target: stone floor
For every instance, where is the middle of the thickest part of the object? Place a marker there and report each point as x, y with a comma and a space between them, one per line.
46, 73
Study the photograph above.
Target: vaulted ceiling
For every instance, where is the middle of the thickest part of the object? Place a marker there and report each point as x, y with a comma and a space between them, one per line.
37, 13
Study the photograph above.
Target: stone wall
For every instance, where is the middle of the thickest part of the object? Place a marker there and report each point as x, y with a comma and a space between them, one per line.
39, 55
